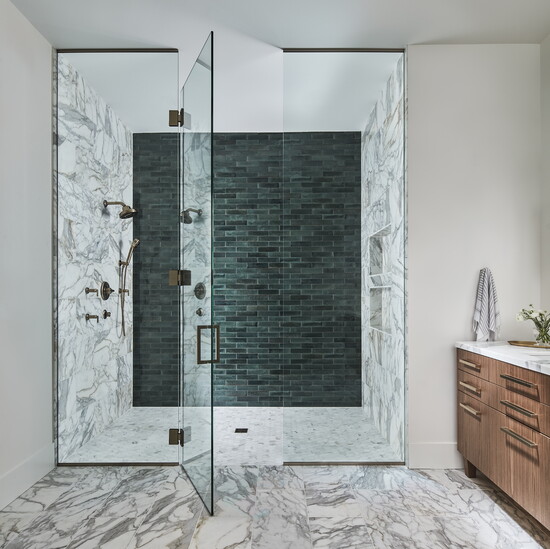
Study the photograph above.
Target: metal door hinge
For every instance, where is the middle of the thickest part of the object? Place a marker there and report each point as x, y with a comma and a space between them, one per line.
179, 436
175, 118
179, 277
179, 118
175, 436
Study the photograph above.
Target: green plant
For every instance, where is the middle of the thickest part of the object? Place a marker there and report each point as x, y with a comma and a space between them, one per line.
541, 319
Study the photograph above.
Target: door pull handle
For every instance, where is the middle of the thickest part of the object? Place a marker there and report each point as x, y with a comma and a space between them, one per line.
216, 358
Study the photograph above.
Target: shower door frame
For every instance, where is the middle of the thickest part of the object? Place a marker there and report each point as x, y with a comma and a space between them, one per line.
55, 254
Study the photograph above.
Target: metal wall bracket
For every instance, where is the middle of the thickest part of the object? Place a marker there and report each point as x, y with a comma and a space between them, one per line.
179, 277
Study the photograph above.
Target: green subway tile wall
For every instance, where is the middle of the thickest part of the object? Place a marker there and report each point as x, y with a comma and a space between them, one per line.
287, 269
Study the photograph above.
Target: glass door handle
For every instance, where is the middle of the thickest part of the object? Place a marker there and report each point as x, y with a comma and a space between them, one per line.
216, 358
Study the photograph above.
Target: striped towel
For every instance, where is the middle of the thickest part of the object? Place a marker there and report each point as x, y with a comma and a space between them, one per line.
486, 313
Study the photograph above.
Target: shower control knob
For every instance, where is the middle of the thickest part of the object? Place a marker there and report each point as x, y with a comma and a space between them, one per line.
200, 312
106, 313
105, 290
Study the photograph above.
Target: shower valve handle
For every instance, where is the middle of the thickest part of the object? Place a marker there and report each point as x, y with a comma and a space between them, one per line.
91, 317
106, 314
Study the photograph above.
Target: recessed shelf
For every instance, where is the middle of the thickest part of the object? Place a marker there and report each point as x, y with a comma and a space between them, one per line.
379, 308
378, 251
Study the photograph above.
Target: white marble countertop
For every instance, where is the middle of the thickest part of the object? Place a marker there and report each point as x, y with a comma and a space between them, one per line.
537, 360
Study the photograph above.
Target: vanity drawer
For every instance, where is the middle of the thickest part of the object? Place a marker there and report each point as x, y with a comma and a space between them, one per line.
472, 428
521, 381
528, 456
480, 441
474, 364
479, 388
524, 409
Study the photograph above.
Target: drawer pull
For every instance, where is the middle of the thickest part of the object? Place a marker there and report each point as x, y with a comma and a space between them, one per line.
470, 388
518, 408
518, 381
469, 409
469, 365
523, 440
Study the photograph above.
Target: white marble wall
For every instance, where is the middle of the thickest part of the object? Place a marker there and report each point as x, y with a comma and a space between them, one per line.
197, 250
383, 234
94, 359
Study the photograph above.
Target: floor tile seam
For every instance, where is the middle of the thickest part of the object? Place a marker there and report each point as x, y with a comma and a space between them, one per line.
308, 523
30, 515
370, 541
201, 517
98, 514
183, 500
140, 516
72, 538
321, 487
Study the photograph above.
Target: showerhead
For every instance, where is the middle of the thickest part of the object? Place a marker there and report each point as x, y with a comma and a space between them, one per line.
125, 213
186, 216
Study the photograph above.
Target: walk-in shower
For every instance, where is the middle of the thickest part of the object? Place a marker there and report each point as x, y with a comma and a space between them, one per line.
261, 321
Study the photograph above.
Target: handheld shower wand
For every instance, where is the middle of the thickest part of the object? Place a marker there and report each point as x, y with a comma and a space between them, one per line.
133, 246
122, 280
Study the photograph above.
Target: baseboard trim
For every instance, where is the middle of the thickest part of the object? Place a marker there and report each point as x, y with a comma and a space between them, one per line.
23, 476
434, 455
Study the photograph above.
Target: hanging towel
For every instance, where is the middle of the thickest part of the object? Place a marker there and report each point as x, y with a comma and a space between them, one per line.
486, 312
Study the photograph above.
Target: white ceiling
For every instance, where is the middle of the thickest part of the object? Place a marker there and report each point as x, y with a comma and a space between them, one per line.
246, 80
291, 23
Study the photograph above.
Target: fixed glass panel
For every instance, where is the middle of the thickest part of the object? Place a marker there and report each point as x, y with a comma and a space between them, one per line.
117, 235
343, 247
200, 340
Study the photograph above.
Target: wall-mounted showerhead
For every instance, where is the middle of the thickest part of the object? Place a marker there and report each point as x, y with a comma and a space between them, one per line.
186, 216
125, 213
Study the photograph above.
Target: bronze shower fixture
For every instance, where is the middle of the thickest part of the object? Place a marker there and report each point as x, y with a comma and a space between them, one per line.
125, 213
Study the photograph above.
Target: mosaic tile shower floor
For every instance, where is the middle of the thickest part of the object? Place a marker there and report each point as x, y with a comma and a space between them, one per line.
266, 507
275, 435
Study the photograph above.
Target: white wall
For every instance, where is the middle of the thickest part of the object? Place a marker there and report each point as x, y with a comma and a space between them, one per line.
473, 201
25, 254
545, 102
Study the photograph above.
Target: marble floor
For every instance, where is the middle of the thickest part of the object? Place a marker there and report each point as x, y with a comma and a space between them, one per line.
266, 507
275, 435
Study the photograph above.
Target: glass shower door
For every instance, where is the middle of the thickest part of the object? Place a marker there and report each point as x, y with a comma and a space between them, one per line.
199, 337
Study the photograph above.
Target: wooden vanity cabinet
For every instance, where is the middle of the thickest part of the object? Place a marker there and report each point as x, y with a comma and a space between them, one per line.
504, 428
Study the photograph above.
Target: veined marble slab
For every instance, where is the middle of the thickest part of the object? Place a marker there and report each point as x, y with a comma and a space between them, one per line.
534, 359
94, 153
383, 238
